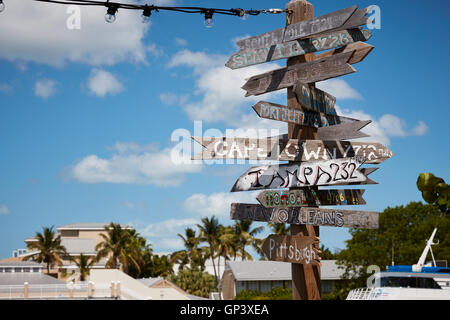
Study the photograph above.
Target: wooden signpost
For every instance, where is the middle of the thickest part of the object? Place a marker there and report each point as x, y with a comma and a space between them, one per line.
326, 67
313, 146
340, 20
331, 40
309, 197
305, 174
306, 216
278, 112
303, 250
289, 150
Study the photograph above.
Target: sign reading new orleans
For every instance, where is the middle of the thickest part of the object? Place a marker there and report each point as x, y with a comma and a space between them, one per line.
306, 215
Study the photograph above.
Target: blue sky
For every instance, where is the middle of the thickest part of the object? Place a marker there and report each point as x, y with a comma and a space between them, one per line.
86, 116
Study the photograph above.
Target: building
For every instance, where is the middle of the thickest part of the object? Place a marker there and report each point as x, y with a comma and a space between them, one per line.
264, 275
168, 287
77, 238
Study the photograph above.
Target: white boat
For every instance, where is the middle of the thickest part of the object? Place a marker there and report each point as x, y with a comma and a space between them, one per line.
416, 282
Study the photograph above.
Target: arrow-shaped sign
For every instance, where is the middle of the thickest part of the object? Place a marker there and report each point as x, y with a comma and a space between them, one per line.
313, 99
305, 174
293, 249
310, 197
248, 57
306, 215
344, 131
278, 112
339, 20
322, 68
289, 150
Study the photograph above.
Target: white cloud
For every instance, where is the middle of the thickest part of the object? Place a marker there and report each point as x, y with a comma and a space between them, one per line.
170, 98
420, 129
338, 88
217, 204
102, 82
180, 41
219, 88
44, 88
37, 32
4, 209
134, 166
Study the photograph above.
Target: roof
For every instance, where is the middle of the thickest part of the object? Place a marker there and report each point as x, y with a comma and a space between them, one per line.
18, 278
25, 264
150, 282
87, 226
77, 246
274, 270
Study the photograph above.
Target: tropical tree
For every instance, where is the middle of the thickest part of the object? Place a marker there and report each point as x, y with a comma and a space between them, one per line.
160, 266
84, 264
209, 233
48, 245
280, 229
195, 282
116, 246
190, 254
246, 236
434, 191
226, 244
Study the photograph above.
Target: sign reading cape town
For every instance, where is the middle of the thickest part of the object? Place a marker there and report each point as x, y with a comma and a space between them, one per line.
293, 249
305, 174
306, 215
289, 150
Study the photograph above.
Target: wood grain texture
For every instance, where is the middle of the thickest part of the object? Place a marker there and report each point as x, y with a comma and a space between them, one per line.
306, 215
347, 18
278, 112
289, 150
293, 249
309, 197
331, 40
344, 131
313, 99
305, 174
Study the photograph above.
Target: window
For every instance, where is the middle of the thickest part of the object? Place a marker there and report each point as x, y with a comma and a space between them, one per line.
8, 270
409, 282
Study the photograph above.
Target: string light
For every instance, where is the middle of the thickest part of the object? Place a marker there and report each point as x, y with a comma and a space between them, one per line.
113, 7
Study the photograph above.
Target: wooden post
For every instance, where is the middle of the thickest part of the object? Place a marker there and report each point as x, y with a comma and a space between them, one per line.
305, 278
118, 290
25, 290
71, 289
113, 290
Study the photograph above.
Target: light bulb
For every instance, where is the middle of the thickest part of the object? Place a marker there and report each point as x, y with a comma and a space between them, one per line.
209, 23
110, 15
2, 6
244, 16
146, 14
110, 18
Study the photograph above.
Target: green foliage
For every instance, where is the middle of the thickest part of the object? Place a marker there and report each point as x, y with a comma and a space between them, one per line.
434, 191
401, 238
326, 253
276, 293
195, 282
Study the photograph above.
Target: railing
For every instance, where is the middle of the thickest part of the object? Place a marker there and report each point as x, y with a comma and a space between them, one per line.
364, 294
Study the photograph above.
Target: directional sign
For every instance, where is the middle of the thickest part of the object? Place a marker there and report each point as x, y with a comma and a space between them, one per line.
306, 215
274, 111
339, 20
305, 174
344, 131
322, 68
289, 150
293, 249
245, 58
318, 70
313, 99
310, 197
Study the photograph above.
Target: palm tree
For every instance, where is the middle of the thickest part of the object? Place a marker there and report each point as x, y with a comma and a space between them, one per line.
48, 245
190, 241
280, 229
226, 244
84, 264
246, 236
115, 244
209, 233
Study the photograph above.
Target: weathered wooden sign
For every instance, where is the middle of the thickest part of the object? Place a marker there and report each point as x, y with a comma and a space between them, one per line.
310, 197
293, 249
343, 131
339, 20
248, 57
313, 99
305, 174
278, 112
306, 215
318, 70
289, 150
